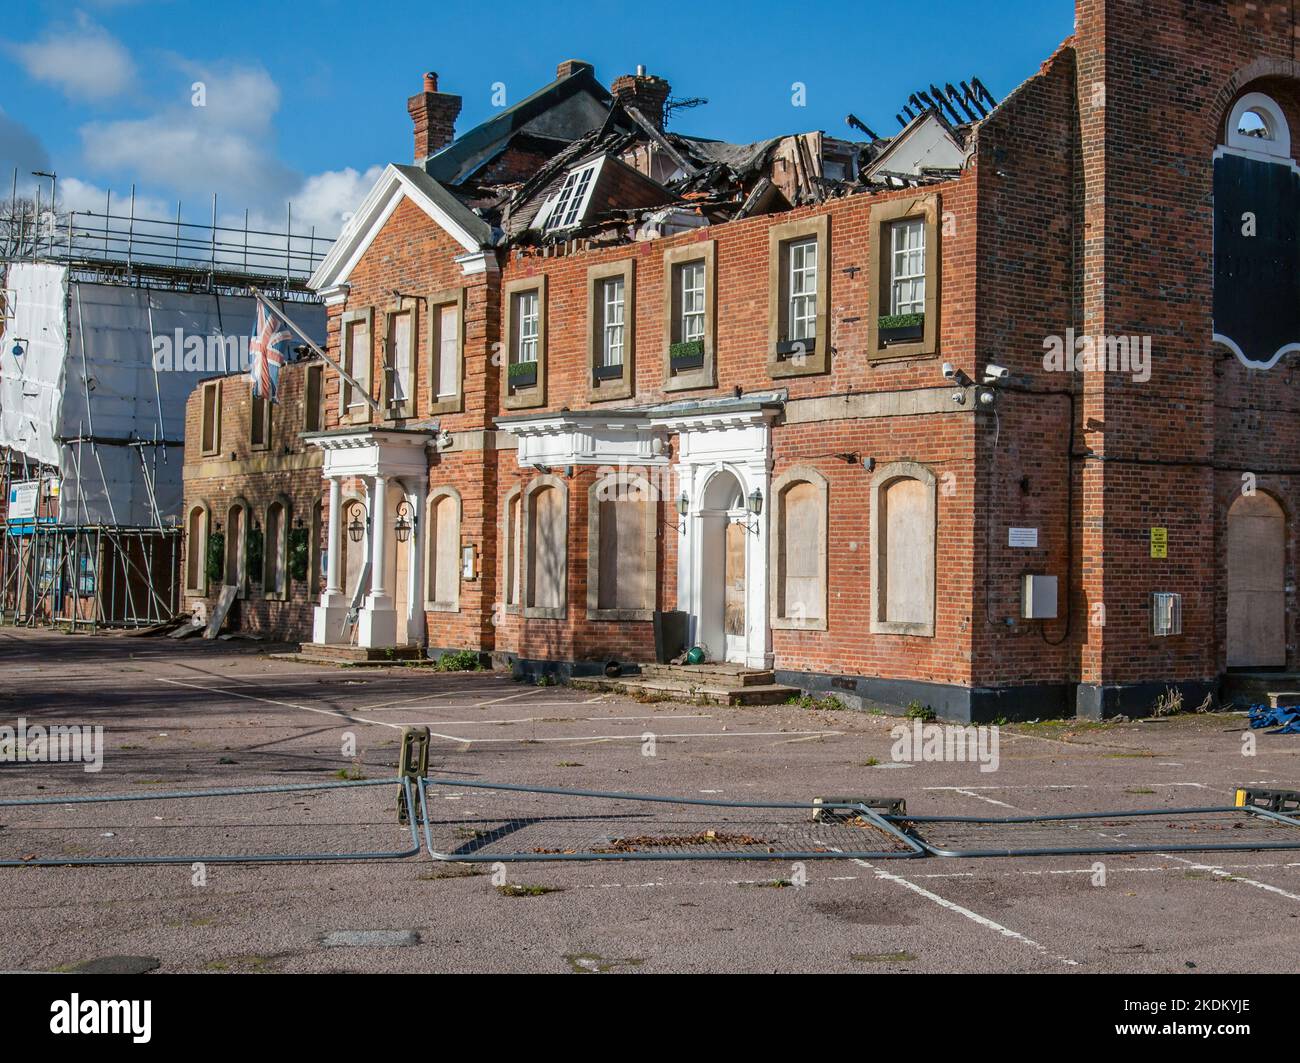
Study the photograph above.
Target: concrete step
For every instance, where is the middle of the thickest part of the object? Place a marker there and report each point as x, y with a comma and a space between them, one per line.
694, 693
319, 653
1260, 688
710, 674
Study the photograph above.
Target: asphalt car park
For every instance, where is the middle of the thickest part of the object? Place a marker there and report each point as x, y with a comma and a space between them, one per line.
227, 715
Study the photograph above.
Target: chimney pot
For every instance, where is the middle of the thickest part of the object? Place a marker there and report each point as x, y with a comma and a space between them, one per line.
431, 82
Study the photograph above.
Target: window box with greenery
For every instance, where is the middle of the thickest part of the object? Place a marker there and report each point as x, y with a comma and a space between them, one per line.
901, 328
523, 383
689, 304
523, 374
686, 355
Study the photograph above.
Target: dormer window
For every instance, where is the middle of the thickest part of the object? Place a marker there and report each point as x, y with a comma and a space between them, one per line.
570, 203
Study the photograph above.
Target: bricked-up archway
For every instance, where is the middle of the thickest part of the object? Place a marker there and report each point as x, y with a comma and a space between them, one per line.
1257, 531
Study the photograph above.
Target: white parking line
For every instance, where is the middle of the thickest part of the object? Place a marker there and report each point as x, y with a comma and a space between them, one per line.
619, 738
974, 917
281, 704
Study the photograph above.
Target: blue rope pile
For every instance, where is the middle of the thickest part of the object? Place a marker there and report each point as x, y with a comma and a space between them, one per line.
1284, 721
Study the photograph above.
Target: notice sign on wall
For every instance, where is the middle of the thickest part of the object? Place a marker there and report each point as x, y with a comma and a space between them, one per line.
1160, 542
22, 499
1022, 537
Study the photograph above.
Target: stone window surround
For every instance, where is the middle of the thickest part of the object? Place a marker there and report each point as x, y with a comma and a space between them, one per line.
214, 385
200, 588
883, 215
532, 397
268, 547
886, 475
438, 300
649, 545
360, 413
407, 409
674, 257
816, 360
797, 475
623, 386
534, 612
430, 545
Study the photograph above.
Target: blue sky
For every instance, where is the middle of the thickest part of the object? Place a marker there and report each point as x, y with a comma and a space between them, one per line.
305, 98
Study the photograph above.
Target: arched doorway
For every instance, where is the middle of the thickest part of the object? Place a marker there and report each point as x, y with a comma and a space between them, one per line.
723, 545
1256, 583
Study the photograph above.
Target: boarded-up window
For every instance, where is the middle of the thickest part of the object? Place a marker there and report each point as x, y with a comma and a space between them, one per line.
906, 566
448, 350
356, 360
260, 423
546, 539
799, 568
275, 580
354, 554
443, 570
624, 581
196, 549
235, 532
514, 547
313, 408
210, 428
315, 556
399, 358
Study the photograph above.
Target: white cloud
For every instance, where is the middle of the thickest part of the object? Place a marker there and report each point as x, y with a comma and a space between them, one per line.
224, 146
84, 61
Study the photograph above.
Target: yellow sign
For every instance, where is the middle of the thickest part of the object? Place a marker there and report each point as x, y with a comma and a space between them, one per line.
1160, 542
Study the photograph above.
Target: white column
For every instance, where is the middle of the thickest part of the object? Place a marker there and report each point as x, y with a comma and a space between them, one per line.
379, 538
334, 544
377, 624
330, 616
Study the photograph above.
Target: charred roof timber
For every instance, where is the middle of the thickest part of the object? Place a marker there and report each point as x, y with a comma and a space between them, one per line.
574, 164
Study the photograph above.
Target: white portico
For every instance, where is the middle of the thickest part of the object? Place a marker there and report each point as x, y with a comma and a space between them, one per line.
386, 604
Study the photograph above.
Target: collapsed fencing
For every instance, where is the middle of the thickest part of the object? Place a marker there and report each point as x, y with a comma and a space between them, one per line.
471, 821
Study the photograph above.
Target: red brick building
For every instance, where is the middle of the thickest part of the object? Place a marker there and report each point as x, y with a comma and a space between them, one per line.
944, 417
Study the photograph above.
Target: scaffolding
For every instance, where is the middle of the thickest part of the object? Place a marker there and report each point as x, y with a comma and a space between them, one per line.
102, 546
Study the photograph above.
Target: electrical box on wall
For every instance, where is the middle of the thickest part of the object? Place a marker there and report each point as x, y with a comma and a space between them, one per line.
1038, 597
1166, 613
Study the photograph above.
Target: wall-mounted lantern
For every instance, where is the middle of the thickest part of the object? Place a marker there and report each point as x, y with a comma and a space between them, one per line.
405, 521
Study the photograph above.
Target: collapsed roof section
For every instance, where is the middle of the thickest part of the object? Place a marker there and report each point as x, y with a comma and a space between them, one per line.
575, 162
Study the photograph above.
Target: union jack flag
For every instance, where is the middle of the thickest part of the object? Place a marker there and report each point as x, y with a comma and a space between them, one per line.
269, 351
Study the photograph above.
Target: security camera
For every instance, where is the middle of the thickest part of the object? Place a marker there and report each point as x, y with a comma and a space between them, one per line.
996, 374
949, 370
957, 376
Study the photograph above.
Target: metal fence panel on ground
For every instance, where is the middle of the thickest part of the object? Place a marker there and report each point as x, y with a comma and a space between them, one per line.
252, 824
483, 822
1156, 830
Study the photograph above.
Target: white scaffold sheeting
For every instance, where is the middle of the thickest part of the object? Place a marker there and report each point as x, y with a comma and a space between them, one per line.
113, 364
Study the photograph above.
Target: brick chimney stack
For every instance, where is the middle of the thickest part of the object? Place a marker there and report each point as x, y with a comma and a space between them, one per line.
434, 114
569, 67
646, 93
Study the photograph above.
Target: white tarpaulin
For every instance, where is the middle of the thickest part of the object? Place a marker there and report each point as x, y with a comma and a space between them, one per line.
108, 364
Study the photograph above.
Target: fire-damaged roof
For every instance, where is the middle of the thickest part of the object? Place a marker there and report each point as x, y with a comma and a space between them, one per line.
576, 161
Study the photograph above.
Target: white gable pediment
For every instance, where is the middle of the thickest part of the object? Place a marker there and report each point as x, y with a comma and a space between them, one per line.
359, 233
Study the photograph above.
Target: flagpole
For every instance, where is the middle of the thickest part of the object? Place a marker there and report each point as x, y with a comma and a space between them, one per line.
364, 391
